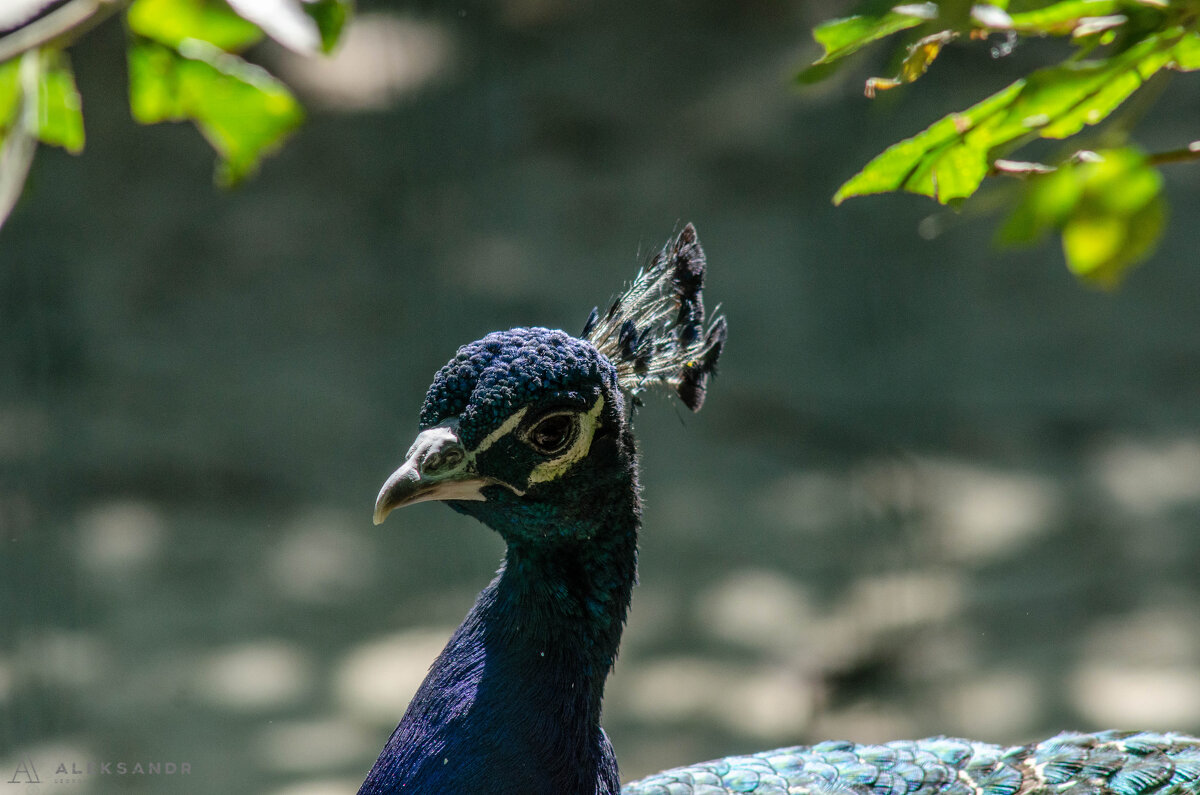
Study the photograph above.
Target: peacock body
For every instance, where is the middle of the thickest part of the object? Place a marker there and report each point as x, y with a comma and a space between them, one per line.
528, 430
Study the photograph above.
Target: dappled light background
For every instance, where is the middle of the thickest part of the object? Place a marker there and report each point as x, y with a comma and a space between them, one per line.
937, 488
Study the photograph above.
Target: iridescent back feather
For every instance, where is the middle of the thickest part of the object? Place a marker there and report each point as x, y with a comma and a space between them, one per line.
1105, 763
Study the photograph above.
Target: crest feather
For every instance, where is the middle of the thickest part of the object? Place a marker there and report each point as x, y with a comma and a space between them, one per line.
654, 332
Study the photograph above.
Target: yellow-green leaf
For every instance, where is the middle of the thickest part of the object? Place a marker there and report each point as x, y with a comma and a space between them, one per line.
1109, 210
171, 22
60, 110
243, 112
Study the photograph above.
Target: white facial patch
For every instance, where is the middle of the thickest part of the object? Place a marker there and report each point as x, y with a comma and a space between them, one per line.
554, 468
503, 430
547, 470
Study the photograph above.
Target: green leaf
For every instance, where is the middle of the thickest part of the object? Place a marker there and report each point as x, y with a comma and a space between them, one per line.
1068, 98
60, 110
1060, 19
949, 160
172, 22
243, 112
840, 37
331, 17
1118, 220
1186, 55
1109, 210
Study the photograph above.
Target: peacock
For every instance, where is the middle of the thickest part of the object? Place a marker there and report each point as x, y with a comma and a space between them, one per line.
529, 431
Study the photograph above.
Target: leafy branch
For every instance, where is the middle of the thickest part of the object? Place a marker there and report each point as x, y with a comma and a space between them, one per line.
1119, 46
185, 62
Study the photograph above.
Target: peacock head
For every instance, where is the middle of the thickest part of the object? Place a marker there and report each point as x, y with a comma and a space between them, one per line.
528, 429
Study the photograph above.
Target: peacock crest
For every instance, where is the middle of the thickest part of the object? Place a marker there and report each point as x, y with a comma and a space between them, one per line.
654, 332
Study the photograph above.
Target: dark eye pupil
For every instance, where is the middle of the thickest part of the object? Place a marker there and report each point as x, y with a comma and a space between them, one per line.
551, 433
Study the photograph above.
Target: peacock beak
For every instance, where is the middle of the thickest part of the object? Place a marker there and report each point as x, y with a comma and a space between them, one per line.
437, 468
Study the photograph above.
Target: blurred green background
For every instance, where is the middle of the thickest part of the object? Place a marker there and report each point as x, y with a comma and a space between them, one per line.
937, 488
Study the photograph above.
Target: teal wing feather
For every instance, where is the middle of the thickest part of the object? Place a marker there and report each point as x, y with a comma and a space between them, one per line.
1106, 763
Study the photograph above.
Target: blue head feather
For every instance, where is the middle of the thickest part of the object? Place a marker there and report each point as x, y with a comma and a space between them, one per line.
489, 379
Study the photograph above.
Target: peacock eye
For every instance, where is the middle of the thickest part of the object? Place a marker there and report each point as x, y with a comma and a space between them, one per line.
552, 434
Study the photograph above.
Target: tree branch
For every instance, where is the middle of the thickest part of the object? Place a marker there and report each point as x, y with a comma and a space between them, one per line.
1189, 152
73, 18
1023, 170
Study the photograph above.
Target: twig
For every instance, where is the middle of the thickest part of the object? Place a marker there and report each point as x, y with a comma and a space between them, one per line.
1019, 168
1189, 152
1022, 170
72, 18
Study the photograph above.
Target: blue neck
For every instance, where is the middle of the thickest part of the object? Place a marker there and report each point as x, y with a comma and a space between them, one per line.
512, 705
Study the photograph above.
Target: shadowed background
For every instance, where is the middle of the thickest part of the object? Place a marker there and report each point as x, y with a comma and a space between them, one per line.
937, 488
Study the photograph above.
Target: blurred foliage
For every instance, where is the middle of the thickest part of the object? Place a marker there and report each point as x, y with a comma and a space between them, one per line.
59, 120
185, 64
242, 110
1106, 204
